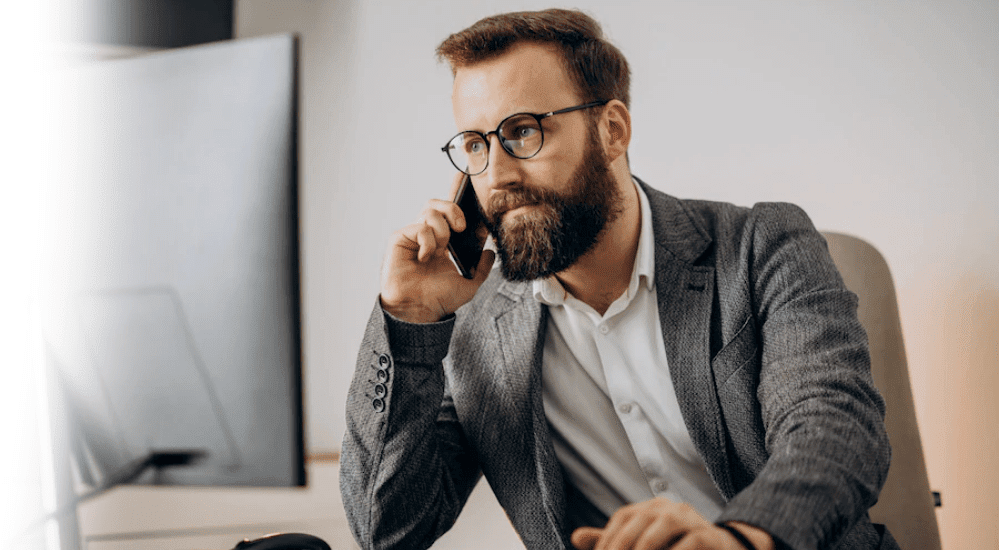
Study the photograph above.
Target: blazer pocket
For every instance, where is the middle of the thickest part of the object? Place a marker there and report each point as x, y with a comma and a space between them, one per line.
739, 351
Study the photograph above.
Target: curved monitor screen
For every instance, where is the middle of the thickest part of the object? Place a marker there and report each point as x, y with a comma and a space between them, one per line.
171, 315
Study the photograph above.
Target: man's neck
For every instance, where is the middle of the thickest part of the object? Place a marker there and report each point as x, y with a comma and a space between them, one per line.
603, 274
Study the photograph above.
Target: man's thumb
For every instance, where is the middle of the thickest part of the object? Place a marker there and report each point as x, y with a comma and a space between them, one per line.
585, 538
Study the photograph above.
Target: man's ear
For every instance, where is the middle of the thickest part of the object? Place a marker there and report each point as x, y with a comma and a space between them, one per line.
616, 129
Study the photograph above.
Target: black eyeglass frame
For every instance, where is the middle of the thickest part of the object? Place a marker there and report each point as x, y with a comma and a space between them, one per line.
538, 118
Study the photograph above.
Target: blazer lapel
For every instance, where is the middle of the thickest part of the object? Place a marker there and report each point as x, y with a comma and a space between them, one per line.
684, 294
520, 338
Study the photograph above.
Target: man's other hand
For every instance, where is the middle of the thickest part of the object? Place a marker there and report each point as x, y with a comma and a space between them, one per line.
659, 524
419, 282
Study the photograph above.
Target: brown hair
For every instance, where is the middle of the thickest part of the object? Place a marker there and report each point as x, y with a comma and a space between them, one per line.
597, 67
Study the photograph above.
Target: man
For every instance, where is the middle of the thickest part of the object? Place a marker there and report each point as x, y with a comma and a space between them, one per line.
640, 372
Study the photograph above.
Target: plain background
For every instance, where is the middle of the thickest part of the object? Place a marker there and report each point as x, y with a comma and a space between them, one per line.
878, 118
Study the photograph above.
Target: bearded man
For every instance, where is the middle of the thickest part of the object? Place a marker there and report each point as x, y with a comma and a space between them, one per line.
640, 372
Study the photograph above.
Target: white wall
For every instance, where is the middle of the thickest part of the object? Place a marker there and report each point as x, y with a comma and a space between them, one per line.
880, 119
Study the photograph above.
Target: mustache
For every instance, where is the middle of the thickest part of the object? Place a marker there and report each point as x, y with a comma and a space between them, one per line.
502, 202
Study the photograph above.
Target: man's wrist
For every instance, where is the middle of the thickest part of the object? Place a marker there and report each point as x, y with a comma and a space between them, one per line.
410, 313
757, 538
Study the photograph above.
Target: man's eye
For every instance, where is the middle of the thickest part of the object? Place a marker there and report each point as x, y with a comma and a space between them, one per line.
475, 147
524, 132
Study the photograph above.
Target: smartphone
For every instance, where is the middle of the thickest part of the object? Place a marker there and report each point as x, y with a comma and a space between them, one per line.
466, 247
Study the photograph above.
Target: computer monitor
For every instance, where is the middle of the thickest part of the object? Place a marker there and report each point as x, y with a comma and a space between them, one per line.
171, 311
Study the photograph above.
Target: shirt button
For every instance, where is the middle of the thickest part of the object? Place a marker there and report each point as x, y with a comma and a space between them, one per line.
603, 328
660, 486
625, 408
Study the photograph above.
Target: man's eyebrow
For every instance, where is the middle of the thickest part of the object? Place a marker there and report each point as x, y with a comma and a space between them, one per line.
520, 111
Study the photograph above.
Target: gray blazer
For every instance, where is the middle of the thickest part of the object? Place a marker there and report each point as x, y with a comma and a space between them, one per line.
767, 357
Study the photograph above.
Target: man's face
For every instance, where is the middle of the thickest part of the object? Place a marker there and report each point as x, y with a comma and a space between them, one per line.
547, 211
559, 227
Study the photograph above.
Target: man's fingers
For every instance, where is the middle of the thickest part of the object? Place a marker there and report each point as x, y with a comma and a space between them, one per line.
448, 210
427, 240
432, 230
626, 533
705, 537
661, 533
653, 524
585, 538
617, 524
438, 224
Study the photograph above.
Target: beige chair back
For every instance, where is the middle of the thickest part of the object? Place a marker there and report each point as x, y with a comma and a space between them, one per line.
906, 504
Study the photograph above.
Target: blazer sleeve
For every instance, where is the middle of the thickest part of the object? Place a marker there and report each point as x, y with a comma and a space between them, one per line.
828, 452
406, 468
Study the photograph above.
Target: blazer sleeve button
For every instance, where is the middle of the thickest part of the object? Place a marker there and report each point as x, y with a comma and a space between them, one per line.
378, 404
380, 391
383, 361
382, 376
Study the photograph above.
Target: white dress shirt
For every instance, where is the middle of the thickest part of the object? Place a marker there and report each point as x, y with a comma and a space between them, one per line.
610, 401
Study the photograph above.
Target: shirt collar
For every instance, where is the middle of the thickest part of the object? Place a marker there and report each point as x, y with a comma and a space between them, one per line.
645, 263
550, 291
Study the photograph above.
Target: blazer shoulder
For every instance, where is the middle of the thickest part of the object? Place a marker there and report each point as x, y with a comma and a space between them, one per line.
723, 220
710, 220
703, 232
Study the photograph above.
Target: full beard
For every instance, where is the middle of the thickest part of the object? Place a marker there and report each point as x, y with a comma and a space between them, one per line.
558, 228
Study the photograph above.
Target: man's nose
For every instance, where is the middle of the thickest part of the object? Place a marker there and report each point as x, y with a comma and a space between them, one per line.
503, 169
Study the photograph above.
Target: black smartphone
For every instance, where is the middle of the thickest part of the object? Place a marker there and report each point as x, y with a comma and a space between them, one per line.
466, 247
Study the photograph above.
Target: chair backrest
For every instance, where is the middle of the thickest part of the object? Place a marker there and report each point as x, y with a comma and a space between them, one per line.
906, 505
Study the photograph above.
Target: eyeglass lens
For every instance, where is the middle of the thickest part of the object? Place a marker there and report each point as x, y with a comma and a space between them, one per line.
520, 135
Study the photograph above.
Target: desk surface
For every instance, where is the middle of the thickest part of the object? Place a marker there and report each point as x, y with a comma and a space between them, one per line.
210, 518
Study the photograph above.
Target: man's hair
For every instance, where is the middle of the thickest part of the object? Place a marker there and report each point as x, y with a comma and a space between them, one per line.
597, 67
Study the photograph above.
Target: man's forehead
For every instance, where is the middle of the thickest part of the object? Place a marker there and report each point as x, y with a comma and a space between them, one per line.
528, 77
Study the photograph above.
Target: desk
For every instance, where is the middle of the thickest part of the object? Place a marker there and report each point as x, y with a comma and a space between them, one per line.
209, 518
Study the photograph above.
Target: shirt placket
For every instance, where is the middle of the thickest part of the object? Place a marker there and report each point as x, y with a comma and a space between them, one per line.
642, 435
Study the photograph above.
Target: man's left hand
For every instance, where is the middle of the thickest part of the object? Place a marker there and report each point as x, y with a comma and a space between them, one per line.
661, 523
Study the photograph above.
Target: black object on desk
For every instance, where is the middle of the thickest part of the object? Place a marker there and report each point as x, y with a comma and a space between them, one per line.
284, 541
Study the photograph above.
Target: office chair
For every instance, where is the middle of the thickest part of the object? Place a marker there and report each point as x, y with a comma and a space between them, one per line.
906, 504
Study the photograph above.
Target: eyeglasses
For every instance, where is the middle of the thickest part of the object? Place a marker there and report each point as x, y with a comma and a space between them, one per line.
520, 135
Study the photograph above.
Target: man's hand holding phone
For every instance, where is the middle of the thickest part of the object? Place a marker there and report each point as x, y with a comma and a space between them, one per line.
420, 284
